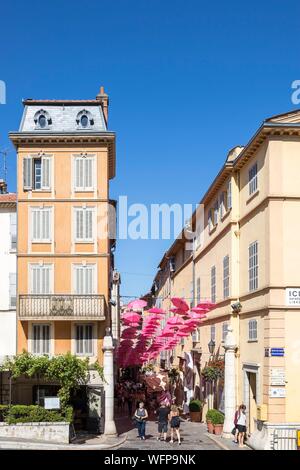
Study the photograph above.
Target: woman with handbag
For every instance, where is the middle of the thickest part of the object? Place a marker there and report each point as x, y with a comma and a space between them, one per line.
174, 423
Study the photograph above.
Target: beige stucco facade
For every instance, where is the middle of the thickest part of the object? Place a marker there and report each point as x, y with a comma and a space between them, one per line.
64, 304
261, 216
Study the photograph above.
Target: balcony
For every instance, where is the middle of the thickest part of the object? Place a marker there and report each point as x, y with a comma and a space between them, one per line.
61, 307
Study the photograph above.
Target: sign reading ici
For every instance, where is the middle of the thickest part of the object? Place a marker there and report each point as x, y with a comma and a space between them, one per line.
292, 296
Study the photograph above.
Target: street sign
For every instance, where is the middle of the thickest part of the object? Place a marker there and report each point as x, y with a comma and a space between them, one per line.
277, 376
277, 352
51, 403
276, 392
292, 296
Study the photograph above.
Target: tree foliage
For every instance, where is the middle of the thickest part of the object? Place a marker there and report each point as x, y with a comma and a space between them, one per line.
66, 369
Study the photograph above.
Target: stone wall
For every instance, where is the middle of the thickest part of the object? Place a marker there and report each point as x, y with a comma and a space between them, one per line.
48, 432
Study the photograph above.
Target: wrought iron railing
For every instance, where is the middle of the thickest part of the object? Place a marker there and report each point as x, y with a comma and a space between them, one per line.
65, 306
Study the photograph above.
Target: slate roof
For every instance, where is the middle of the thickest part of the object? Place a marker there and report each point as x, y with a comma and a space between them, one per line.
63, 114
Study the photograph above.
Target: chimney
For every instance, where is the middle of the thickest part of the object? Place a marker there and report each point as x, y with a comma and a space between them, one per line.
102, 97
3, 187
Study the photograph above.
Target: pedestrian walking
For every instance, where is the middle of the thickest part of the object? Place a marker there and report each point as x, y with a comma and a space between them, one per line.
162, 416
141, 415
174, 423
241, 425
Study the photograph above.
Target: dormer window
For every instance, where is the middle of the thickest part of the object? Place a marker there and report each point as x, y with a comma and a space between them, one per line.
84, 119
42, 119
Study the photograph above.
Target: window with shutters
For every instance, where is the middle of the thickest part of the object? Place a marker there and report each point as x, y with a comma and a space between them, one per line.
213, 284
13, 231
226, 277
84, 218
37, 173
84, 340
224, 331
198, 287
213, 333
252, 330
84, 173
196, 335
84, 279
41, 224
229, 197
253, 179
12, 290
41, 278
40, 342
253, 266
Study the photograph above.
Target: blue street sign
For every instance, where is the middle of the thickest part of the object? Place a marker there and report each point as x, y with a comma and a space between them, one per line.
277, 352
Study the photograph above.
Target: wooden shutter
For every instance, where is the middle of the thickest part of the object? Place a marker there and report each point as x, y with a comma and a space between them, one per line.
46, 172
27, 173
88, 164
45, 224
45, 275
88, 224
45, 339
36, 224
79, 229
79, 280
35, 280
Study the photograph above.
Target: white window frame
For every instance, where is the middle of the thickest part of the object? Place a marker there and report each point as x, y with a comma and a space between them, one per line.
213, 333
213, 284
84, 353
225, 326
196, 335
12, 290
252, 330
13, 231
253, 266
85, 210
226, 277
41, 239
229, 195
83, 187
29, 183
41, 341
41, 266
76, 266
252, 176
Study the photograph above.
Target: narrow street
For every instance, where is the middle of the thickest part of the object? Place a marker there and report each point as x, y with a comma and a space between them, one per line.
193, 436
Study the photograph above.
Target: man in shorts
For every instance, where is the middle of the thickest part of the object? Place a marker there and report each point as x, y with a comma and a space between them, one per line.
162, 415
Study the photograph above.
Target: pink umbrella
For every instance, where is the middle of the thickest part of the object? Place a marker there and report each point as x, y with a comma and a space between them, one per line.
180, 303
156, 310
206, 304
178, 311
175, 321
137, 304
131, 317
198, 310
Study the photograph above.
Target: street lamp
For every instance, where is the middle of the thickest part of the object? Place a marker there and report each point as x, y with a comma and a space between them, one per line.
211, 347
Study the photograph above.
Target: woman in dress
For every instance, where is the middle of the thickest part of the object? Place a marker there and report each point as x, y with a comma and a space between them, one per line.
174, 423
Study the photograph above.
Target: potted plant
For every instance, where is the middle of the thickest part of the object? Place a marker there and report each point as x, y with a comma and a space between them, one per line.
209, 421
195, 408
215, 421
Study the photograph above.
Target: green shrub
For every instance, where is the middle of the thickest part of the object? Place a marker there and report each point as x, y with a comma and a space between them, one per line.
195, 405
3, 412
215, 416
36, 414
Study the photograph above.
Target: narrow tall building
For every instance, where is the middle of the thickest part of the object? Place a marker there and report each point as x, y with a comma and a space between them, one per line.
65, 161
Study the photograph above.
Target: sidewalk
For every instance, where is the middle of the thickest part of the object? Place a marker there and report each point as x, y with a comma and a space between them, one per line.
226, 444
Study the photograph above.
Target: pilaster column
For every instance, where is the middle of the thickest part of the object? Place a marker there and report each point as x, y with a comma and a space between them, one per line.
229, 383
108, 366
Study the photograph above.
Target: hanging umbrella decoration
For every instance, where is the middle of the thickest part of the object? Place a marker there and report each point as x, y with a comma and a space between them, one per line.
143, 338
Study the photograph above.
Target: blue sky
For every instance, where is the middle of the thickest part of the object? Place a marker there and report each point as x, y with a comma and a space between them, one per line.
187, 82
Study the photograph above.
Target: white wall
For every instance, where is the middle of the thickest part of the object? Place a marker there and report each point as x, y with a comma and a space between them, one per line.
7, 266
